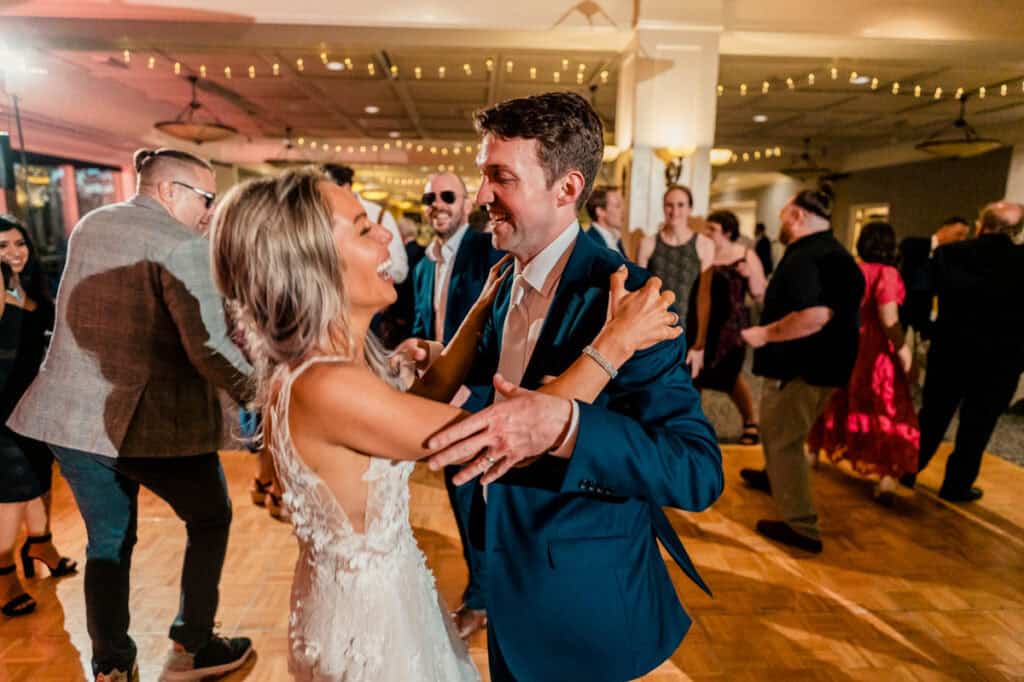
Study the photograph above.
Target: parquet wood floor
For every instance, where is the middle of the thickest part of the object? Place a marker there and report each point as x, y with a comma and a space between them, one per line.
923, 591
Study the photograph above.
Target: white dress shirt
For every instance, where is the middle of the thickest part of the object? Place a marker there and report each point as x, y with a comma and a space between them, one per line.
443, 254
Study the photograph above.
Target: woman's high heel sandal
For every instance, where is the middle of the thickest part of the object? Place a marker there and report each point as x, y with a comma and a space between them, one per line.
22, 605
259, 491
65, 566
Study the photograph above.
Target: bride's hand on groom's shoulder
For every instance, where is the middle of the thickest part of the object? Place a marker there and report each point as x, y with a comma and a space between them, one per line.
508, 434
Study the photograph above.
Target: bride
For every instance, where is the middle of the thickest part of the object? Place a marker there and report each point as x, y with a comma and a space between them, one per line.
304, 270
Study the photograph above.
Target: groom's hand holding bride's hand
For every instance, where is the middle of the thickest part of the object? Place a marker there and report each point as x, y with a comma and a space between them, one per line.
510, 433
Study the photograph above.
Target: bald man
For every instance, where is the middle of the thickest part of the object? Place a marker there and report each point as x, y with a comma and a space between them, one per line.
446, 283
126, 398
977, 350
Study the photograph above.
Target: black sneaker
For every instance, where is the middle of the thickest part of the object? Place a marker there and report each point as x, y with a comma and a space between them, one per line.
118, 675
757, 479
218, 656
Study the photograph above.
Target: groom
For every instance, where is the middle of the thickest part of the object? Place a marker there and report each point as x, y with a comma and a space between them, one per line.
577, 588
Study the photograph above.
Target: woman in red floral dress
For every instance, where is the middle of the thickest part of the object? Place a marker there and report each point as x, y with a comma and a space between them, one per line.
871, 422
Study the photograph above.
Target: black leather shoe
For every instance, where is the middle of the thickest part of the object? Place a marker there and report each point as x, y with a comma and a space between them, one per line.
781, 531
908, 480
756, 479
972, 495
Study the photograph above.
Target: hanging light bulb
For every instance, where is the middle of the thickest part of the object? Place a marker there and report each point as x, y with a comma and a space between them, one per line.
323, 57
509, 65
778, 151
418, 72
300, 64
896, 88
959, 93
301, 141
374, 148
764, 87
348, 63
252, 71
757, 155
151, 63
721, 90
1003, 90
468, 69
810, 79
565, 65
790, 84
489, 64
874, 83
557, 75
746, 156
433, 150
854, 76
371, 69
444, 151
337, 148
917, 91
277, 69
177, 69
982, 92
604, 76
579, 78
441, 70
834, 73
533, 73
127, 56
227, 72
394, 70
202, 70
743, 89
938, 93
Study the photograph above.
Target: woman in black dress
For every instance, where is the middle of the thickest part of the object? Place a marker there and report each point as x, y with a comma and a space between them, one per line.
26, 465
736, 272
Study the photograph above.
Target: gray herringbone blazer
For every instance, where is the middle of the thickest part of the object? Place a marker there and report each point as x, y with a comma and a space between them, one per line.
139, 343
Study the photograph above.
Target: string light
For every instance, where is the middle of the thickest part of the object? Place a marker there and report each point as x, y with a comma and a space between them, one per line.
721, 90
374, 148
351, 149
441, 71
227, 72
917, 91
509, 66
300, 65
202, 70
746, 156
938, 93
371, 69
444, 151
489, 64
337, 148
152, 63
394, 70
277, 69
835, 73
127, 56
579, 78
896, 88
982, 92
565, 65
323, 57
778, 151
533, 73
433, 150
468, 69
764, 87
177, 68
348, 63
959, 93
581, 68
604, 76
557, 75
418, 72
743, 89
874, 83
387, 146
362, 149
757, 155
853, 77
810, 79
301, 141
252, 71
312, 144
1003, 90
789, 84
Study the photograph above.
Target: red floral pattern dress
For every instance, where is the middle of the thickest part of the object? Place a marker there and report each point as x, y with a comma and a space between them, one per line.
871, 422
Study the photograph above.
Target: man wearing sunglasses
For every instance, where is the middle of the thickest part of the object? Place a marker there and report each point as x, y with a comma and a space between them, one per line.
446, 284
127, 399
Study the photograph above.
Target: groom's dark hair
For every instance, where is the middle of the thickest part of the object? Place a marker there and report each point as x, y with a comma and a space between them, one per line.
568, 131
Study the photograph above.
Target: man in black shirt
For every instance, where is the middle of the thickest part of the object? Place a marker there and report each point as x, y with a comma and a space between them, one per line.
806, 347
763, 248
977, 350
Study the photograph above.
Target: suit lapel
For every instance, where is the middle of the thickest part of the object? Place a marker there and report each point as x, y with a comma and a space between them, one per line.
427, 304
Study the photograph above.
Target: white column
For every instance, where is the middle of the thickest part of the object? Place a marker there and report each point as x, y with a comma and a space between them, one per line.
667, 98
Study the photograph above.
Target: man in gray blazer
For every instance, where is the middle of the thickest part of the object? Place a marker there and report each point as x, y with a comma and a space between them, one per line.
126, 397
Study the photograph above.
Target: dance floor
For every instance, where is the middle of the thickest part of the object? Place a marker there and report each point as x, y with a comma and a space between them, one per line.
922, 591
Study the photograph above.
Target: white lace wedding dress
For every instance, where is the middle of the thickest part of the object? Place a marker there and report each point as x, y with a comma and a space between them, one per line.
364, 607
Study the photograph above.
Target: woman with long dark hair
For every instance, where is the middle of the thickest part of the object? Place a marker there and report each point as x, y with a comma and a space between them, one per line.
26, 465
871, 422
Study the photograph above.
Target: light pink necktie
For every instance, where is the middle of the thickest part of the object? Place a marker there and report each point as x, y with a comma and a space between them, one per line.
512, 363
441, 298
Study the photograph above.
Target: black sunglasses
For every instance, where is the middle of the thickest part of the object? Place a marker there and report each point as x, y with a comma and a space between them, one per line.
207, 197
447, 197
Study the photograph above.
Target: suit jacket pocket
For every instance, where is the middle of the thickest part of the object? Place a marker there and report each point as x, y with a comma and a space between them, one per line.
590, 552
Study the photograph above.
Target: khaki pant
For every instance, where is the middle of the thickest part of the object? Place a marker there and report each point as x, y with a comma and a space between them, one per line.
787, 414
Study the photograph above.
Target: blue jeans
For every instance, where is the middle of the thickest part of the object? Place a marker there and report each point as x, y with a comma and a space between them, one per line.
107, 490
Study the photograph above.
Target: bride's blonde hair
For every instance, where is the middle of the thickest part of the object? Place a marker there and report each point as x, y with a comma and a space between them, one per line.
275, 263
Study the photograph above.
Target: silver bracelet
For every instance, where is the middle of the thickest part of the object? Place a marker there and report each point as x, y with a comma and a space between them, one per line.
601, 360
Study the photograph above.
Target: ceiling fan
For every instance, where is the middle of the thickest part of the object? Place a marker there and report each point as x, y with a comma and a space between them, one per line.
806, 167
959, 139
187, 126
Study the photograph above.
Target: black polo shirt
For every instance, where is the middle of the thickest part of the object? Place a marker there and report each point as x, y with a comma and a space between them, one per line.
815, 271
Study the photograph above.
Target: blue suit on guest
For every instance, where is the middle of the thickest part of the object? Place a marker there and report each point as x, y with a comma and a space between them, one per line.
576, 586
473, 262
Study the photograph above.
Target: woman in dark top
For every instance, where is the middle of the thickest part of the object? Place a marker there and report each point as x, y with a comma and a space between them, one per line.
26, 465
735, 272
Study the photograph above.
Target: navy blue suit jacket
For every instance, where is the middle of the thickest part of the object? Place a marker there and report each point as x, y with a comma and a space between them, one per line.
473, 262
577, 588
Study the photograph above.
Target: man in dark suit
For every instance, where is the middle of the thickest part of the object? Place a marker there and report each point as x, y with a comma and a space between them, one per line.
915, 268
446, 283
576, 586
977, 348
763, 248
606, 213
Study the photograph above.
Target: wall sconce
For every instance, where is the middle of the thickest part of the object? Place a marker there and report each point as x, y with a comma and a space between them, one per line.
673, 158
720, 156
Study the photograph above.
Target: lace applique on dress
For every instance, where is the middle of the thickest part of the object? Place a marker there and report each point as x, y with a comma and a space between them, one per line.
364, 606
